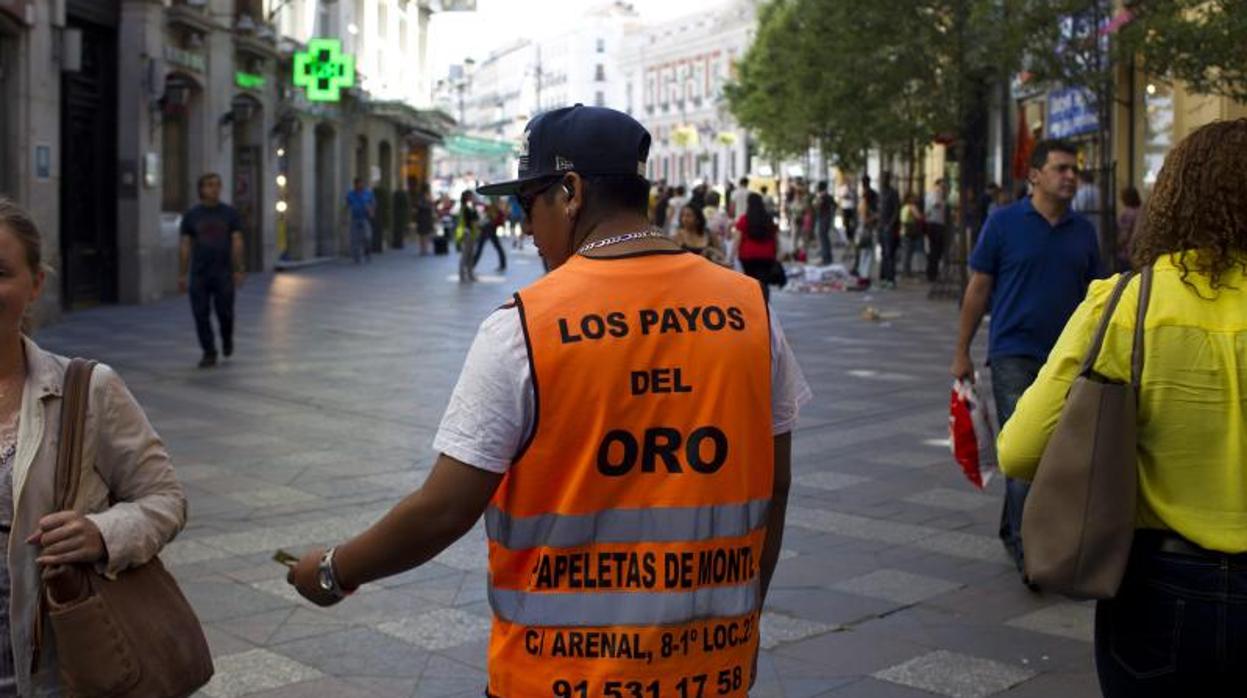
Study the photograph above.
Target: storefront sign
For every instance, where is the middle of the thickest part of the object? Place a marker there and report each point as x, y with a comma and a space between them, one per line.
1071, 112
186, 59
249, 81
323, 70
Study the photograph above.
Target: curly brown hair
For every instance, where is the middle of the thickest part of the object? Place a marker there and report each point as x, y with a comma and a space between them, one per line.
1197, 212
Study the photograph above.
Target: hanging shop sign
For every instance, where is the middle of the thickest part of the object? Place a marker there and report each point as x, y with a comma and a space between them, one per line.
323, 70
249, 81
1071, 112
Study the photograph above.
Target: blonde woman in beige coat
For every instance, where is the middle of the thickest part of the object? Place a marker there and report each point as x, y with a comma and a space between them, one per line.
123, 459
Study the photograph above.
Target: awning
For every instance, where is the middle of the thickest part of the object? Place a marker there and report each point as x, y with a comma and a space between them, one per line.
478, 147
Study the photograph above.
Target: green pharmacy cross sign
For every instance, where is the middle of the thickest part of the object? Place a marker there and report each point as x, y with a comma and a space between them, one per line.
323, 70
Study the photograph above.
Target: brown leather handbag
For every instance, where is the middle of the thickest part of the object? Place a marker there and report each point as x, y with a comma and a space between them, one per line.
129, 637
1078, 522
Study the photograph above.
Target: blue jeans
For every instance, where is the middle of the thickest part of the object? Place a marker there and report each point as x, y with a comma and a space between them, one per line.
1177, 627
1011, 376
361, 239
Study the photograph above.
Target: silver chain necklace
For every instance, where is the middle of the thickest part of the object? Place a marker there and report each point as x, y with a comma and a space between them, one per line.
617, 239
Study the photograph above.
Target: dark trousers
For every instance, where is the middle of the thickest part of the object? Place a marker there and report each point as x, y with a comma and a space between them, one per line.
1177, 627
208, 291
849, 216
489, 233
890, 243
935, 249
823, 226
1011, 376
759, 269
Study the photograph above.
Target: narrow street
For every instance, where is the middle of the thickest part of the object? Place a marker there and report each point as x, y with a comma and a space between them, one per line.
892, 581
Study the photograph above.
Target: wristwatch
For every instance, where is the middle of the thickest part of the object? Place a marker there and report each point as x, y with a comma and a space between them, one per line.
327, 579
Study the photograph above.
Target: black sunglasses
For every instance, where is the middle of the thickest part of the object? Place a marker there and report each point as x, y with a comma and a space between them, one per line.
527, 200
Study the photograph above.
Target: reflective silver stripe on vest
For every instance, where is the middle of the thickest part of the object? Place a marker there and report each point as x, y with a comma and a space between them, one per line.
593, 609
656, 525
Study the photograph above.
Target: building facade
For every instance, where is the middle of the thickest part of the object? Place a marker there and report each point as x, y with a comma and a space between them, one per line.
113, 109
495, 98
674, 75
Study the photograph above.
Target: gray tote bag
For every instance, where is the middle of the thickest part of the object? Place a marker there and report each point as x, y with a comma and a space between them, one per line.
1078, 523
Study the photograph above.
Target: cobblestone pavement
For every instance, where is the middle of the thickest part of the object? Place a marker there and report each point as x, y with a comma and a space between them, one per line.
892, 582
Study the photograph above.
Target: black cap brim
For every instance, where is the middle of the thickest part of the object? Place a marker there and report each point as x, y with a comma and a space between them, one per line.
510, 187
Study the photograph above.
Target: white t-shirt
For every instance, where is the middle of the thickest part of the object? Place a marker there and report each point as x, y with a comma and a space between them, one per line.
493, 408
848, 197
937, 208
740, 200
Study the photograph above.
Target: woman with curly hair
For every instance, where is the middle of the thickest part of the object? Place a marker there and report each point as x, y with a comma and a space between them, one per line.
1178, 624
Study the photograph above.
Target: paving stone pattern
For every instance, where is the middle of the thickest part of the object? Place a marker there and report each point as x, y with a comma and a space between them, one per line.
891, 583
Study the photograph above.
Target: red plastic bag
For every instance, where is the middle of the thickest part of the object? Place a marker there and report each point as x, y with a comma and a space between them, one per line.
971, 433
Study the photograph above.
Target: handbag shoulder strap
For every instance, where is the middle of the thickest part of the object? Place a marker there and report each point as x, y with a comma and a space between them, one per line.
1098, 341
1136, 356
75, 393
74, 398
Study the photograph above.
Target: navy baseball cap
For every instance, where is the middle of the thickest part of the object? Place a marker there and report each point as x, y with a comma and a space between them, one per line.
587, 140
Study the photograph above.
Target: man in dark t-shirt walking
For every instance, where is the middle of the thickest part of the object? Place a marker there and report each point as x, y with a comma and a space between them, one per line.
212, 252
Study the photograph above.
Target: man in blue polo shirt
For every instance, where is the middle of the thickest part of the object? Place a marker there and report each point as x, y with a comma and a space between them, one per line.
363, 206
1032, 265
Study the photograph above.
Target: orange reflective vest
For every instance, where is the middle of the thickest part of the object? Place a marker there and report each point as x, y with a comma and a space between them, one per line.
625, 540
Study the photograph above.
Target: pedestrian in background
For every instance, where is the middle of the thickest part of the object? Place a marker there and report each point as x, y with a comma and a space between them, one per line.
129, 503
362, 206
491, 221
1127, 222
911, 232
515, 222
717, 222
675, 204
1032, 266
466, 232
889, 229
847, 195
868, 214
425, 209
935, 227
772, 207
1178, 623
211, 251
694, 236
661, 207
697, 198
825, 213
737, 198
756, 243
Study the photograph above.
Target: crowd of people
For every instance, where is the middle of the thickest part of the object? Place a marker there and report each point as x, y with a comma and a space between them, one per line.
879, 231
